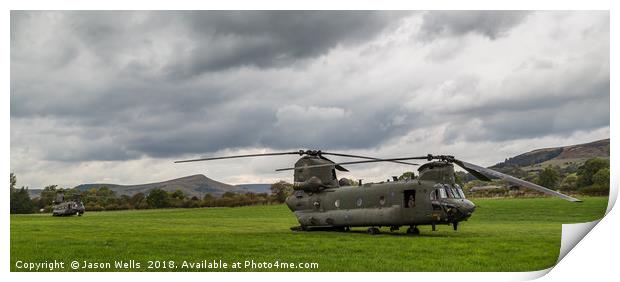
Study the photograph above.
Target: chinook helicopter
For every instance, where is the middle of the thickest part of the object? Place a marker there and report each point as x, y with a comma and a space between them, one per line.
321, 202
67, 208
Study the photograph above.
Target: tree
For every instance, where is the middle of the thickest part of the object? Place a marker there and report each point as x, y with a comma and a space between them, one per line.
589, 168
13, 181
548, 177
281, 190
47, 196
178, 194
158, 198
20, 201
136, 200
407, 175
601, 177
460, 177
569, 182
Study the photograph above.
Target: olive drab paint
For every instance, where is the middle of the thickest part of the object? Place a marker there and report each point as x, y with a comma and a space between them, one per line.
320, 202
408, 202
67, 208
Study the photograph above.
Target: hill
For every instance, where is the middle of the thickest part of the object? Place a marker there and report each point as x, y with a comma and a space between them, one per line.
574, 154
256, 188
195, 185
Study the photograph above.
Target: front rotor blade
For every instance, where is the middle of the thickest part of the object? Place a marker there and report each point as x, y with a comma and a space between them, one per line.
240, 156
362, 157
468, 166
358, 162
473, 172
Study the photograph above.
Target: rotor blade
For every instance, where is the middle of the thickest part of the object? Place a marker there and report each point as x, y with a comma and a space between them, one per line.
363, 157
240, 156
358, 162
473, 172
468, 166
338, 167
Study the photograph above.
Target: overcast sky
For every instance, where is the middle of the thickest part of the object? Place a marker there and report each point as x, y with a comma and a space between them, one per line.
116, 97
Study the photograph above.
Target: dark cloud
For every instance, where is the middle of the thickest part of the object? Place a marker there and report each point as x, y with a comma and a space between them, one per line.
491, 24
272, 38
203, 41
124, 85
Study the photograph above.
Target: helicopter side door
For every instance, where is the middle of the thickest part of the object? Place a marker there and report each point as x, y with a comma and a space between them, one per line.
409, 198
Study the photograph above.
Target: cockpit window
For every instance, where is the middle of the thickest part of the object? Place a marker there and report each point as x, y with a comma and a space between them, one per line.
442, 193
459, 190
449, 191
456, 193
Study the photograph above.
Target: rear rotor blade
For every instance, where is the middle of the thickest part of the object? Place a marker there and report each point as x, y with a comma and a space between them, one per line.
358, 162
468, 166
241, 156
338, 167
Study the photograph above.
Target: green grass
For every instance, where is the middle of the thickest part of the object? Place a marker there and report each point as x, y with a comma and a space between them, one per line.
502, 235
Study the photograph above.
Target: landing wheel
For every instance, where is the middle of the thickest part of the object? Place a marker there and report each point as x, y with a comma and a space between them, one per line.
347, 229
413, 231
79, 214
373, 231
455, 225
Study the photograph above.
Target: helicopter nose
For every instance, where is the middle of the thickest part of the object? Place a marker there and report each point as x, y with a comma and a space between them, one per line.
467, 207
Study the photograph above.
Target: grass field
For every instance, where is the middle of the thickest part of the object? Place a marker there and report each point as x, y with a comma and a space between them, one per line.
502, 235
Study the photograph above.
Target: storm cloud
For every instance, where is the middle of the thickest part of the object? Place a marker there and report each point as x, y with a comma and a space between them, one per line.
130, 91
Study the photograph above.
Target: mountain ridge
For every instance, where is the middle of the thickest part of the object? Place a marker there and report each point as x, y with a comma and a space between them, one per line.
571, 153
194, 185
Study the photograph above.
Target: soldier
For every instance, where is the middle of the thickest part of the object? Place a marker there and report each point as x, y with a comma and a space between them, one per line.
411, 202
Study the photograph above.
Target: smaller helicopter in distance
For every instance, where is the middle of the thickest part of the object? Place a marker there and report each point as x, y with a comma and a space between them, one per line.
68, 208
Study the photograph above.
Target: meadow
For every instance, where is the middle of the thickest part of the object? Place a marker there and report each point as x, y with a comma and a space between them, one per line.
502, 235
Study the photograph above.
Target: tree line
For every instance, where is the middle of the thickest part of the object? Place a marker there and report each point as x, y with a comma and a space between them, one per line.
104, 199
590, 178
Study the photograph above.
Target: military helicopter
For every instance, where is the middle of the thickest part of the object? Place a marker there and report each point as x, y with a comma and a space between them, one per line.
321, 202
68, 208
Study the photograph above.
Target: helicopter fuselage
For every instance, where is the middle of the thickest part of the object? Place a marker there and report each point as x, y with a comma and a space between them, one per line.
430, 199
321, 201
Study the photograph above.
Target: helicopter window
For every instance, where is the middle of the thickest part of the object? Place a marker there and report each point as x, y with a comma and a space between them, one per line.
359, 202
409, 198
453, 192
337, 203
382, 200
433, 195
442, 193
458, 188
449, 192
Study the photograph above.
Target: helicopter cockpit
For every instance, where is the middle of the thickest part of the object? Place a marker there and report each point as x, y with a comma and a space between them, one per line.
444, 191
451, 199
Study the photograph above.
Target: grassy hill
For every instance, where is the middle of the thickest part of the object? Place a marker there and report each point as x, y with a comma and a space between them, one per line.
558, 156
195, 185
502, 235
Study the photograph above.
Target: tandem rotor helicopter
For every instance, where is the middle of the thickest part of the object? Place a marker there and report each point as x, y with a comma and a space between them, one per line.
321, 202
62, 207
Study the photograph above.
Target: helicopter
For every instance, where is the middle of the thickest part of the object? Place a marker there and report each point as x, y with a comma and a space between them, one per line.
68, 208
321, 202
